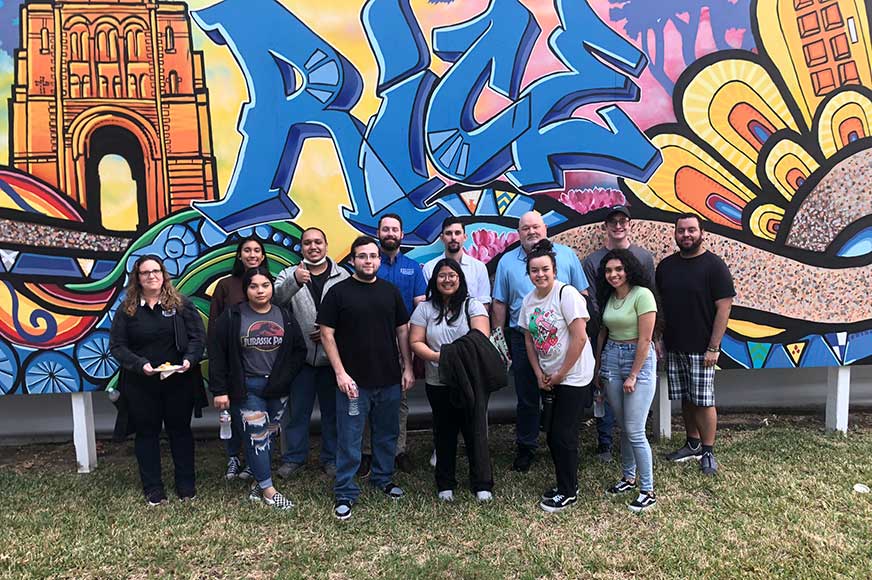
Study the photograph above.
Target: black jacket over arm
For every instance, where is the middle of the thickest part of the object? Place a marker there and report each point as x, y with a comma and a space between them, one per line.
472, 369
226, 373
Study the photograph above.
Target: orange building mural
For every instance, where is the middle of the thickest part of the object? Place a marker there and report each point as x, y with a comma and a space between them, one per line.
92, 81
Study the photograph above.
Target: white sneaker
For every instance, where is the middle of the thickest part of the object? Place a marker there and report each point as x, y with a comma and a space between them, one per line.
433, 459
446, 495
483, 496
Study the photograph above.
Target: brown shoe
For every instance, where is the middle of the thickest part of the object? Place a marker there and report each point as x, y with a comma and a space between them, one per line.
365, 466
404, 463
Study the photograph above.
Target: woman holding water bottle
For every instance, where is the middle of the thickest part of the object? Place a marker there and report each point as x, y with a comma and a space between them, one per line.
553, 317
627, 366
250, 253
256, 351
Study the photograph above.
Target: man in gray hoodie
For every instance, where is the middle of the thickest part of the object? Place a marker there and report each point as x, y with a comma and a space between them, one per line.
302, 287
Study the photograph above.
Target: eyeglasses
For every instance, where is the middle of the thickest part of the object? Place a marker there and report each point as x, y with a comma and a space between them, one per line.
618, 222
443, 277
149, 273
364, 257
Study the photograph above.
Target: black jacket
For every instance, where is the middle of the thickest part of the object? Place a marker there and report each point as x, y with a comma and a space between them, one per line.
226, 373
190, 340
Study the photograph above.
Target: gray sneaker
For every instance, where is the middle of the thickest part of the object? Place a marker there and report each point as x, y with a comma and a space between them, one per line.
287, 470
708, 464
685, 453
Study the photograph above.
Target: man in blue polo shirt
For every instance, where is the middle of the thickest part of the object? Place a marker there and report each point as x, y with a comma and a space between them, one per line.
406, 274
511, 285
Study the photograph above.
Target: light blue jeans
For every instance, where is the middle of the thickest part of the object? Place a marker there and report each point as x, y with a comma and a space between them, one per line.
631, 409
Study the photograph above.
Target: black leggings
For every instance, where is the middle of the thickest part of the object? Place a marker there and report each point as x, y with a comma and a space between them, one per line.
569, 402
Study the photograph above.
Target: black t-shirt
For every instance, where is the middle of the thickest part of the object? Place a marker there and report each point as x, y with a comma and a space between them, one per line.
365, 318
316, 285
688, 290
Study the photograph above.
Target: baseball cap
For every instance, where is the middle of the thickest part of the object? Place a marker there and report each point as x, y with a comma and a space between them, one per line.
622, 209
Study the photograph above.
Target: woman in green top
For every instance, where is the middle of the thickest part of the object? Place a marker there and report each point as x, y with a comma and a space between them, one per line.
627, 366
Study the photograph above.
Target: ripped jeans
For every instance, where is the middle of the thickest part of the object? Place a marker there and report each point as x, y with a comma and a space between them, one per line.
260, 425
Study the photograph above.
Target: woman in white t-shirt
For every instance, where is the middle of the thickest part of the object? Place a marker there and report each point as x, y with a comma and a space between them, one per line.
447, 314
553, 318
627, 366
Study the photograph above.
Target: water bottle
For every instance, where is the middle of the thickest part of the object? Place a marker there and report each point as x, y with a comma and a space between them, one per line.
547, 414
599, 405
114, 394
224, 421
353, 404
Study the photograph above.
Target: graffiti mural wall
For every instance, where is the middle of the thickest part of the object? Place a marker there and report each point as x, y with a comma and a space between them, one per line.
174, 128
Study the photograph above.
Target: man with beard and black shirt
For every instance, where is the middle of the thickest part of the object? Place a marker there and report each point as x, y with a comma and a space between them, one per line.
302, 287
363, 320
404, 273
696, 292
453, 237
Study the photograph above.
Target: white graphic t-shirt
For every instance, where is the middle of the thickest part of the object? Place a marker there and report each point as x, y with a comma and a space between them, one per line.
547, 320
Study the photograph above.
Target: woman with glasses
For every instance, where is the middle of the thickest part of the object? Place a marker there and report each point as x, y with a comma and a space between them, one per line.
447, 314
250, 253
158, 337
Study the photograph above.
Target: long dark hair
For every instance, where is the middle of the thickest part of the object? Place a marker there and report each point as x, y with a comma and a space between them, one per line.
251, 273
636, 276
238, 267
450, 311
543, 248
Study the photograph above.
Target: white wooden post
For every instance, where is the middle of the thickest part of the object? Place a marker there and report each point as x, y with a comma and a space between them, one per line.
83, 432
662, 409
838, 395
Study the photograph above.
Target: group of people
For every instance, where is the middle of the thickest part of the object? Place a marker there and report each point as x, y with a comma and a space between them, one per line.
358, 341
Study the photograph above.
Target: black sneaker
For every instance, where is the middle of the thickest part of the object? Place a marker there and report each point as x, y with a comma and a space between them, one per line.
234, 466
404, 463
549, 493
342, 509
156, 497
393, 491
365, 466
558, 503
523, 460
187, 494
255, 493
622, 486
685, 453
708, 464
645, 501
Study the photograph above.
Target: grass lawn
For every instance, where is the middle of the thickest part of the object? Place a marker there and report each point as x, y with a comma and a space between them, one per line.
783, 506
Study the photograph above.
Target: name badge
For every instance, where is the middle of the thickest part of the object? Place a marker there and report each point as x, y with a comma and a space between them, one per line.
169, 313
407, 271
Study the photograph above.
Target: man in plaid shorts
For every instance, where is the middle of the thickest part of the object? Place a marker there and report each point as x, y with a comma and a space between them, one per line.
696, 293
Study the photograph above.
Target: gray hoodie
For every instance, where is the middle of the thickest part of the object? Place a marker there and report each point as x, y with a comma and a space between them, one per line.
287, 293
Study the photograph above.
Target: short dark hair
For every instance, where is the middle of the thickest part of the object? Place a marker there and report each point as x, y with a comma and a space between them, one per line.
390, 215
252, 272
314, 229
688, 216
362, 241
451, 220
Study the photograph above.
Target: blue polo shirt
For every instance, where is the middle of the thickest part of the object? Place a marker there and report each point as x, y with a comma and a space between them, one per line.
406, 274
512, 283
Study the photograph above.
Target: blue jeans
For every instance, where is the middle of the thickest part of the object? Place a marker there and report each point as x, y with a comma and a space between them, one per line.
261, 418
631, 409
605, 426
311, 380
382, 407
233, 446
527, 390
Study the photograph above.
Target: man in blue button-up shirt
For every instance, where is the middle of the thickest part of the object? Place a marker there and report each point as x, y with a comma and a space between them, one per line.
511, 285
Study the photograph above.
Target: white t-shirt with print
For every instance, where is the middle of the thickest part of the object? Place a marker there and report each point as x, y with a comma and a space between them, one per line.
441, 333
547, 320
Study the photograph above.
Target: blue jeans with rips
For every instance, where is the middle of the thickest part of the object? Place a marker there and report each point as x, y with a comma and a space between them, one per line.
631, 409
261, 418
382, 407
527, 390
309, 382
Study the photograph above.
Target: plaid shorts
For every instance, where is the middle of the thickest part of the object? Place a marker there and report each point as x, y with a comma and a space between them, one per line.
690, 379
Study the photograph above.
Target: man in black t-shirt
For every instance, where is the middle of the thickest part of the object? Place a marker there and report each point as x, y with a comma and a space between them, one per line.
696, 293
363, 320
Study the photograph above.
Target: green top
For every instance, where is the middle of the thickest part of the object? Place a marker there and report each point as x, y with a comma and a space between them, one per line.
621, 317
